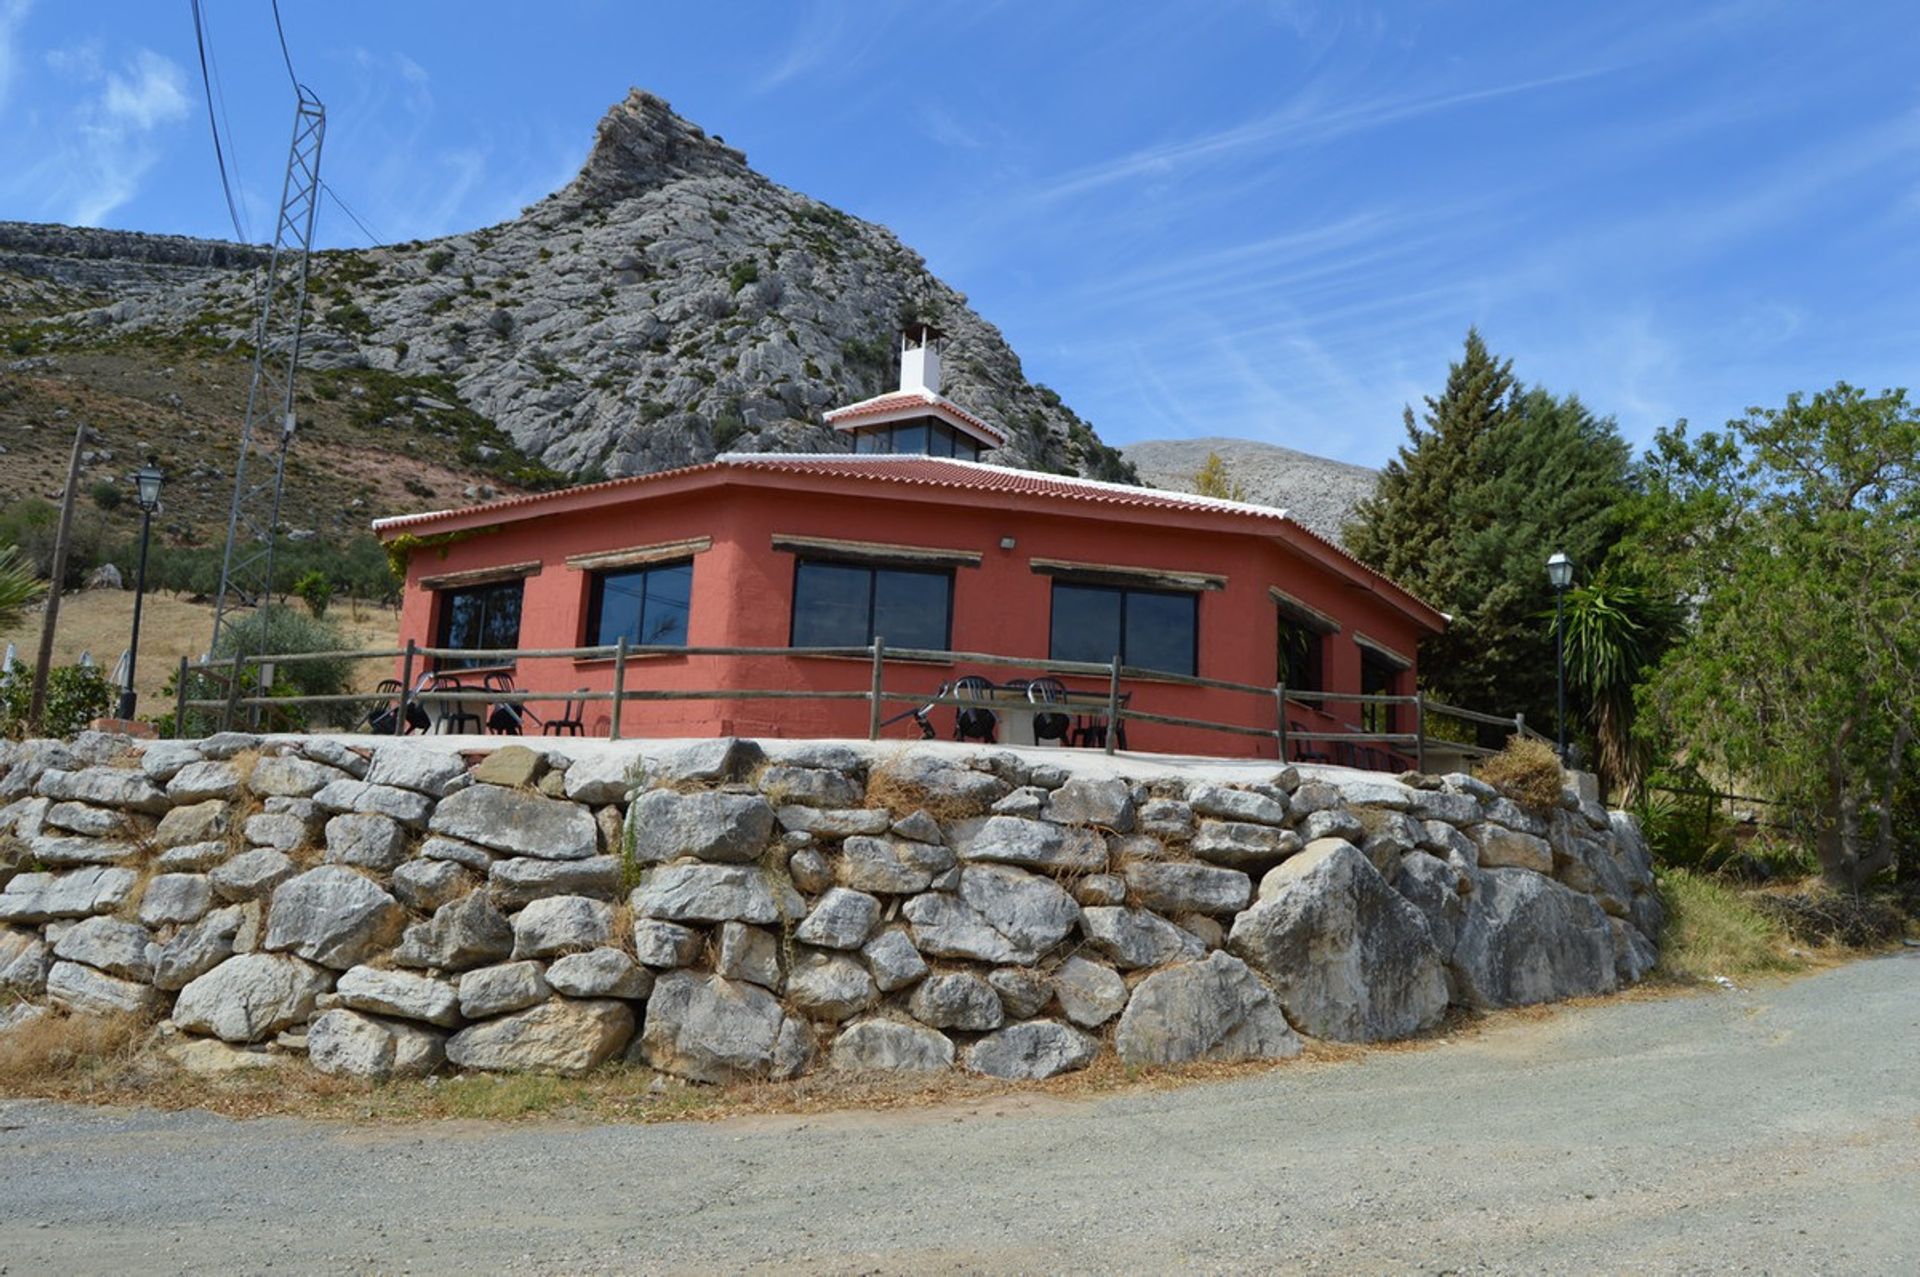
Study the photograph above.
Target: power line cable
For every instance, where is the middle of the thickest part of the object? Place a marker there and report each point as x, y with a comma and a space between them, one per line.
373, 240
285, 56
226, 124
219, 152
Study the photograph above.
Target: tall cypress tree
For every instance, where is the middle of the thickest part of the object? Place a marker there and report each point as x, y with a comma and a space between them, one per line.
1498, 478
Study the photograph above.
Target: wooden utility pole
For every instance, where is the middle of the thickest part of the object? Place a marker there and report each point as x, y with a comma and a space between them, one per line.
37, 710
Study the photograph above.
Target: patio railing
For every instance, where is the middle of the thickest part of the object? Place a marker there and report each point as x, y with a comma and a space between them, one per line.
243, 685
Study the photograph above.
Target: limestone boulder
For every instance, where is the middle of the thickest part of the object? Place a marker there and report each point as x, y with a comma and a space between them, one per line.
1526, 938
1032, 1050
1086, 801
251, 997
118, 787
928, 779
76, 893
60, 851
890, 1046
564, 1035
252, 875
1348, 957
425, 885
749, 953
667, 944
403, 805
85, 819
1241, 806
711, 1029
517, 823
1038, 844
496, 990
408, 766
896, 866
1634, 956
956, 1000
292, 776
1500, 847
600, 973
842, 920
468, 932
193, 951
561, 924
24, 958
1212, 1009
174, 898
1174, 886
1024, 991
521, 880
1439, 891
597, 779
830, 986
1239, 844
333, 916
699, 892
88, 991
197, 782
1089, 993
401, 994
811, 786
110, 945
366, 839
834, 823
893, 960
720, 828
347, 1043
1000, 914
1134, 938
704, 762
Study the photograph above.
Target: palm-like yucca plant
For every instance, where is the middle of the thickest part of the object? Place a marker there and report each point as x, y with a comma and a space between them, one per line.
18, 586
1617, 629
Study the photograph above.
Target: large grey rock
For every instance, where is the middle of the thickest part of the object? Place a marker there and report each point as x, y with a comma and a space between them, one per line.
110, 945
704, 762
77, 893
162, 760
1504, 811
1349, 957
85, 819
1089, 993
1334, 822
348, 1044
517, 822
1240, 844
1038, 844
1174, 886
458, 852
367, 840
1165, 818
251, 997
193, 857
1238, 806
1032, 1050
404, 805
252, 875
469, 932
496, 990
1439, 891
87, 991
24, 959
1213, 1009
1024, 991
282, 831
1504, 848
749, 953
842, 920
829, 986
1000, 914
291, 776
597, 779
522, 880
926, 779
894, 961
334, 754
60, 851
400, 993
1634, 956
666, 944
697, 892
956, 1000
1449, 844
197, 782
811, 787
891, 1046
896, 866
425, 885
198, 949
600, 973
333, 916
1085, 801
561, 924
171, 898
831, 823
723, 828
563, 1035
1132, 938
428, 772
1374, 791
1444, 805
1526, 938
118, 787
710, 1029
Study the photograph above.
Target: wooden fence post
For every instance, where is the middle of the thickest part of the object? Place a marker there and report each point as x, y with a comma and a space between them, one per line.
1113, 706
873, 694
406, 690
180, 701
1280, 720
619, 685
233, 687
1420, 732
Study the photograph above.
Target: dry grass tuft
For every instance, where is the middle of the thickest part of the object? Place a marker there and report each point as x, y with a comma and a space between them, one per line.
1713, 930
59, 1048
1527, 771
886, 788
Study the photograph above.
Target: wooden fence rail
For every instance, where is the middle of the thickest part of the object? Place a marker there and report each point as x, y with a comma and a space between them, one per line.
242, 684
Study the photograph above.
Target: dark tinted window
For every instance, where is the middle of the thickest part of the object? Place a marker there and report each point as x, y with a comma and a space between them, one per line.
1151, 629
1302, 662
481, 616
647, 606
1378, 677
846, 604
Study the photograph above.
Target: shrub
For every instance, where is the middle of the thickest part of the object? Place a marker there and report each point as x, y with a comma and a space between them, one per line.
106, 494
315, 590
18, 586
76, 695
1527, 771
275, 630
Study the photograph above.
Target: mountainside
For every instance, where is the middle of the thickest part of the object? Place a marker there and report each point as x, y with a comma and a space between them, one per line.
1319, 492
667, 304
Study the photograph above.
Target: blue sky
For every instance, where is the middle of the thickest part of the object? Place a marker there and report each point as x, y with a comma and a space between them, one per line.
1269, 219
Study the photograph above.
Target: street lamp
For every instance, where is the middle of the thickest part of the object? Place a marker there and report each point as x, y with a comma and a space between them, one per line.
1560, 576
146, 484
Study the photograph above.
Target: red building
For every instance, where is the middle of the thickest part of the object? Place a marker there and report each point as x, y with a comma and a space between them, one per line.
906, 537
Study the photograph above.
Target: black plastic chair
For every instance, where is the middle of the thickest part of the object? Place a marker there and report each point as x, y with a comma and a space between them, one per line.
380, 719
1049, 724
504, 718
1302, 749
459, 716
571, 721
974, 722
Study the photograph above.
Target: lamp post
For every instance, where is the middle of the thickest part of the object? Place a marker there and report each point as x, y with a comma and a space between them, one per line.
1560, 575
146, 482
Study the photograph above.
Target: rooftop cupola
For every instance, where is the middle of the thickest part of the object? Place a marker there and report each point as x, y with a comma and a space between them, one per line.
916, 418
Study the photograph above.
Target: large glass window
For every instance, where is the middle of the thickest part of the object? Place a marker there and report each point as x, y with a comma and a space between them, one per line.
480, 617
846, 604
646, 606
1378, 677
1302, 657
927, 437
1151, 629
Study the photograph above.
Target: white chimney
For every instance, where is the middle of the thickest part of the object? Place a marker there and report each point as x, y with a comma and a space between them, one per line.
920, 358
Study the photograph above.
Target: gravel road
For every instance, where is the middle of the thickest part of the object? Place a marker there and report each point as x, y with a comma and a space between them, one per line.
1771, 1130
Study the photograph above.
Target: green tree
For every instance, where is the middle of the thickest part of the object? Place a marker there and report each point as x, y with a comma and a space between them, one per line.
1213, 479
1617, 629
1491, 482
19, 587
1797, 534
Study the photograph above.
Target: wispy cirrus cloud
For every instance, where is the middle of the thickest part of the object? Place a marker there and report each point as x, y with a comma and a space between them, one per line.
108, 140
12, 14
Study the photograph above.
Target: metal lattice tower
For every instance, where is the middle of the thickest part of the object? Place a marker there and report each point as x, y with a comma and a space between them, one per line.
260, 468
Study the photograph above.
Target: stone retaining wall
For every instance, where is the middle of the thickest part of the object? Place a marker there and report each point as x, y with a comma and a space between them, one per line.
727, 909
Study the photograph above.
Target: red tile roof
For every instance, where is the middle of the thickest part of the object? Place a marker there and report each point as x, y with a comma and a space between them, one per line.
899, 400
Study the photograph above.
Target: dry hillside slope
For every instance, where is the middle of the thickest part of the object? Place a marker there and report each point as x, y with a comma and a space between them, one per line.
1319, 492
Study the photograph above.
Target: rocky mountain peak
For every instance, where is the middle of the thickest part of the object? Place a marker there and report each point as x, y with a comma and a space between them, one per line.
640, 146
